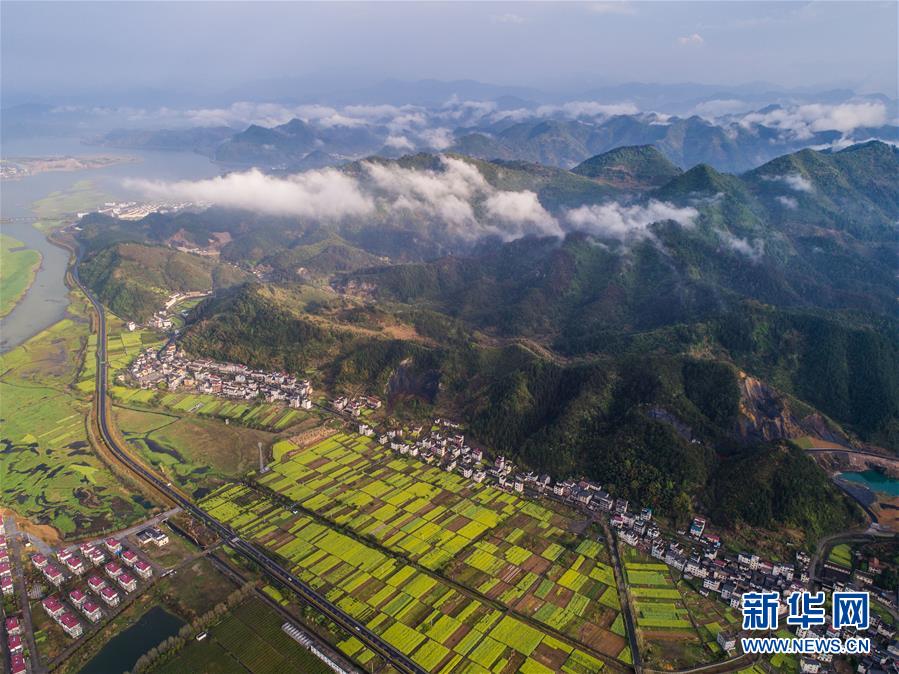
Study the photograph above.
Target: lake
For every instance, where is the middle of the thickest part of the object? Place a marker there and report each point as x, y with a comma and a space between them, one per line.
120, 654
45, 302
875, 481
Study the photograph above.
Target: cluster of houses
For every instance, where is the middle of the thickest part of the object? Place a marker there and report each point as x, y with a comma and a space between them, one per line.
204, 375
694, 552
6, 582
444, 446
354, 406
15, 646
122, 570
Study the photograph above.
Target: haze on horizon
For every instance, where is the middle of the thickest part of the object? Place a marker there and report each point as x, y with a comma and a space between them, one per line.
79, 51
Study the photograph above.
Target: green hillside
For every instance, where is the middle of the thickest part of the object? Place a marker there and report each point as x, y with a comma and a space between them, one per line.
134, 280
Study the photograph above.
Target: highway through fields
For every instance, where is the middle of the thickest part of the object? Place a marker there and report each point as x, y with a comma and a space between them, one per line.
245, 548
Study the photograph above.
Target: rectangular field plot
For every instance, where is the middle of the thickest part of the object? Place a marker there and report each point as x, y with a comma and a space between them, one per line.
462, 577
678, 626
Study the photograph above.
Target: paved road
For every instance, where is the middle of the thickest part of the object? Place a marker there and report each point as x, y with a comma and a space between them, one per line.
243, 547
14, 539
629, 622
137, 528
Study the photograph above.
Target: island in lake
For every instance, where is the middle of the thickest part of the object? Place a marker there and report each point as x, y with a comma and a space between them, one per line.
16, 168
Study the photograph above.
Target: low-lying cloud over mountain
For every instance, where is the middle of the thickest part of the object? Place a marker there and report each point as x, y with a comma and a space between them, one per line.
457, 196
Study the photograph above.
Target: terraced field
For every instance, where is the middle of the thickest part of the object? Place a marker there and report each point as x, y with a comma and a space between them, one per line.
398, 545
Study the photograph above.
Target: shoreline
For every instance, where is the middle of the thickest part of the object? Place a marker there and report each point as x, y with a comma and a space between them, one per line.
13, 247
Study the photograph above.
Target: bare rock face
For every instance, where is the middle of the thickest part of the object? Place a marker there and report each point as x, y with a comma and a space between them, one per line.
767, 414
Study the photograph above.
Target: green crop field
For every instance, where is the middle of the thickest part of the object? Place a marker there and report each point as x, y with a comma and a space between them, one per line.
678, 626
265, 416
18, 266
841, 554
250, 639
411, 550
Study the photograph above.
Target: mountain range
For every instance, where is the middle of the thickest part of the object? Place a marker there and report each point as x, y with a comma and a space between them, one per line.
681, 328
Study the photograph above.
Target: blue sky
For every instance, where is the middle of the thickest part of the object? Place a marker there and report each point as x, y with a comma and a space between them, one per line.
52, 49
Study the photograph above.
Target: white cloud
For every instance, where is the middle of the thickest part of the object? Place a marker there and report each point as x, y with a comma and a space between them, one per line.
692, 40
456, 197
522, 209
326, 193
798, 182
803, 121
614, 221
509, 18
439, 138
788, 202
754, 251
399, 143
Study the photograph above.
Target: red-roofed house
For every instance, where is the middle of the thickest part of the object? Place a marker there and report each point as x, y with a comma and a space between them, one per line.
6, 585
14, 644
95, 583
5, 570
96, 556
129, 557
53, 607
2, 541
113, 569
110, 596
63, 555
113, 545
77, 597
53, 574
92, 610
13, 626
71, 625
39, 561
143, 569
4, 556
17, 664
128, 582
75, 564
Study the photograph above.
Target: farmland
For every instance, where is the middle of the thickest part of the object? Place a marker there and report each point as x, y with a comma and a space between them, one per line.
48, 471
249, 413
18, 265
249, 638
677, 627
407, 549
195, 452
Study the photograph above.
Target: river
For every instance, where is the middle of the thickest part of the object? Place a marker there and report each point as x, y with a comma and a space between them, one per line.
123, 650
46, 300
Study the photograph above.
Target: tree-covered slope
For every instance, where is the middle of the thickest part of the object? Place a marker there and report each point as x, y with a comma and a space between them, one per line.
134, 280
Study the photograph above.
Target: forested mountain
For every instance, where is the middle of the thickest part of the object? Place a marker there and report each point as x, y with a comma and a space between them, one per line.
620, 346
135, 280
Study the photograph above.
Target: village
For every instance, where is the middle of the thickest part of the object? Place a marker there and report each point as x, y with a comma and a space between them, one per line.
171, 367
695, 553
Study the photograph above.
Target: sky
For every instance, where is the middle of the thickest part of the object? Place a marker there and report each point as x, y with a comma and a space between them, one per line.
53, 50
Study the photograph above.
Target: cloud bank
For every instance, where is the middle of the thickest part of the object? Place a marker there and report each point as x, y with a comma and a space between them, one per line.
456, 197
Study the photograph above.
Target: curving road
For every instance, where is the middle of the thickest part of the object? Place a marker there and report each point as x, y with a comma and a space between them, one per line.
245, 548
